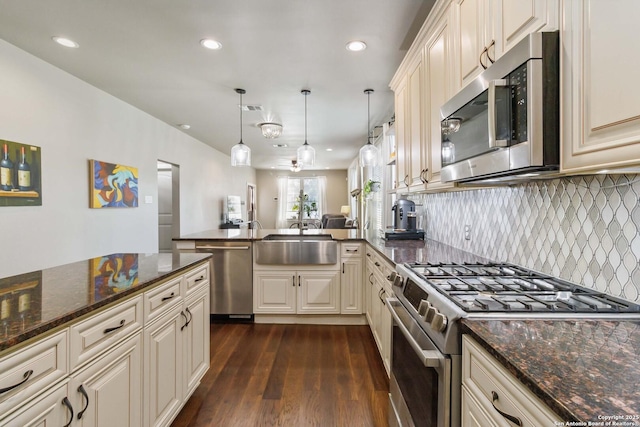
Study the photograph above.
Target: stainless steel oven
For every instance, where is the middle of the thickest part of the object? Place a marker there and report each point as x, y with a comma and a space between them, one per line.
506, 121
421, 384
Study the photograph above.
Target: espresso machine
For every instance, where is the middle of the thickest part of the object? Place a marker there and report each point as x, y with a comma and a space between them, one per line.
404, 221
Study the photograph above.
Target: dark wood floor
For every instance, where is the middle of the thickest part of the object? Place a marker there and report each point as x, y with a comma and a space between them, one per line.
290, 375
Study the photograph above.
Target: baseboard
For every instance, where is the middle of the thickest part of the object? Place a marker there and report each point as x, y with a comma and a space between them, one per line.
309, 319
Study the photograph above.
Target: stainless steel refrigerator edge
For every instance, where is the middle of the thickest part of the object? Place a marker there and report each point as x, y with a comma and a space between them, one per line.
231, 279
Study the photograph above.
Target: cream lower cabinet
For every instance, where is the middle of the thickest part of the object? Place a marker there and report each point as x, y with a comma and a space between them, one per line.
351, 299
47, 409
296, 292
600, 101
376, 289
491, 394
108, 392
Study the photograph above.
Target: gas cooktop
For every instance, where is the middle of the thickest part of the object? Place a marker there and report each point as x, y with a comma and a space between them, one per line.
509, 288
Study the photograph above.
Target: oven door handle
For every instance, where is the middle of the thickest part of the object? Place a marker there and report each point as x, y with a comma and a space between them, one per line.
429, 358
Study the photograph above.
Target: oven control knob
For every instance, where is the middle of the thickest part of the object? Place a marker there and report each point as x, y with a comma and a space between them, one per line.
392, 276
439, 322
397, 282
431, 312
423, 307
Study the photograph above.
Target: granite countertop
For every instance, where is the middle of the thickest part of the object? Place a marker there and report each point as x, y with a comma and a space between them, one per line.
35, 302
582, 369
259, 234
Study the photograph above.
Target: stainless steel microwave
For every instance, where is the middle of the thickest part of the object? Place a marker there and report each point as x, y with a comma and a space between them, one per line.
506, 123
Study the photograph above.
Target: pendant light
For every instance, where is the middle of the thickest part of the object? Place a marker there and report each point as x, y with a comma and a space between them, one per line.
306, 153
240, 153
369, 152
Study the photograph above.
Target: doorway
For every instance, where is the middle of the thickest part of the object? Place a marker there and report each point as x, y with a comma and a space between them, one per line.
252, 213
168, 205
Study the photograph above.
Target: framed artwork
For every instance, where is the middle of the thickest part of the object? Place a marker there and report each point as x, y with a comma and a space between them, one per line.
20, 173
111, 274
112, 185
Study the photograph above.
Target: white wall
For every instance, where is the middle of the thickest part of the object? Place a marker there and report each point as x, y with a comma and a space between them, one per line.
267, 189
73, 121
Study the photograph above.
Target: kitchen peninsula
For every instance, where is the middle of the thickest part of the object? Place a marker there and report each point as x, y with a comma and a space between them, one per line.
103, 333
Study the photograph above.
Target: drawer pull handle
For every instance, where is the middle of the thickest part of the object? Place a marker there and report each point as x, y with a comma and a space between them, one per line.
199, 279
377, 264
368, 254
370, 278
169, 297
185, 318
83, 392
26, 377
190, 316
352, 250
115, 328
66, 403
515, 420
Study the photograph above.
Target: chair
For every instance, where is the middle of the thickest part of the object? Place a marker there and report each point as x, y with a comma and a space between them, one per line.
326, 217
336, 222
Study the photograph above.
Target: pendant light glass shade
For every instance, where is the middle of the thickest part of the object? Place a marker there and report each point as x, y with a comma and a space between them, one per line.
240, 153
306, 153
369, 152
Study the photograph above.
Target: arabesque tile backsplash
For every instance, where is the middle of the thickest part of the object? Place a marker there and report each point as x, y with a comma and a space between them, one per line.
584, 229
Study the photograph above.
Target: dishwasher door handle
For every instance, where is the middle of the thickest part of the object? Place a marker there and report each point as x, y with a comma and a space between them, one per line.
223, 248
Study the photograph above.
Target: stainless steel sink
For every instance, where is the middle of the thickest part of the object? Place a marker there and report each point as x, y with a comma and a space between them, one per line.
296, 249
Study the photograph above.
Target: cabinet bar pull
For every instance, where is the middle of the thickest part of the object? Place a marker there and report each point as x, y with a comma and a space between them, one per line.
493, 43
26, 377
482, 53
515, 420
169, 297
115, 328
65, 402
370, 277
377, 264
352, 250
199, 279
299, 281
190, 316
185, 318
343, 268
293, 280
83, 392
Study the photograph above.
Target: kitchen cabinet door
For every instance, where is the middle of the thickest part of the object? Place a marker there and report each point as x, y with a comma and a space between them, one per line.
319, 292
475, 44
274, 292
164, 367
351, 299
368, 290
600, 117
439, 88
196, 339
108, 391
515, 19
402, 175
415, 148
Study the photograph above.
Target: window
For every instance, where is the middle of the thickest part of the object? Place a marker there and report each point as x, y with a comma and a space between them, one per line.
312, 203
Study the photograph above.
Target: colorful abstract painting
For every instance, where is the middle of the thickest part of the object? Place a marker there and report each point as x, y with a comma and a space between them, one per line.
111, 274
113, 186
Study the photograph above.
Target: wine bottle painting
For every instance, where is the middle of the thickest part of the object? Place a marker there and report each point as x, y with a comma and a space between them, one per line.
113, 186
20, 173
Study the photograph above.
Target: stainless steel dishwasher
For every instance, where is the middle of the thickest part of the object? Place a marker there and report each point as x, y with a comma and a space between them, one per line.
231, 279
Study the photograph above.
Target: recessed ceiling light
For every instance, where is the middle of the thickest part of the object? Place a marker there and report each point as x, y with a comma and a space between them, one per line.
65, 42
184, 126
329, 149
356, 46
211, 44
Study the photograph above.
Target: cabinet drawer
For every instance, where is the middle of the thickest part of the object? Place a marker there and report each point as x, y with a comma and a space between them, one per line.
196, 279
351, 249
103, 330
162, 298
31, 370
495, 387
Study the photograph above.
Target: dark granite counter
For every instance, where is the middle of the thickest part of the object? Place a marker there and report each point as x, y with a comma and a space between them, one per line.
401, 251
33, 303
582, 369
259, 234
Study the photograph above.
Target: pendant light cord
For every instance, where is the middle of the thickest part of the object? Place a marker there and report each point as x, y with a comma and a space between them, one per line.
368, 92
241, 118
305, 118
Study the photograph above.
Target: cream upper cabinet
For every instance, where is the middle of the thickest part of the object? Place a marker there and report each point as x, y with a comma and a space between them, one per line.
475, 41
415, 149
438, 64
402, 177
515, 19
600, 115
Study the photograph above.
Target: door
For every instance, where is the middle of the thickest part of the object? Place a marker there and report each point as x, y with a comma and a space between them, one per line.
108, 392
274, 292
319, 292
196, 342
168, 205
163, 382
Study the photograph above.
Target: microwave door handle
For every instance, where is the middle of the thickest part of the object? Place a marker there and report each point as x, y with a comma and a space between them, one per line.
491, 114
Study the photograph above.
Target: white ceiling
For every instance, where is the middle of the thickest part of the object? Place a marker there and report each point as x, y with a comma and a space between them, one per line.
148, 53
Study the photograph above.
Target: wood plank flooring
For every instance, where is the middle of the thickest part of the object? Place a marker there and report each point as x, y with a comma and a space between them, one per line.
290, 375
